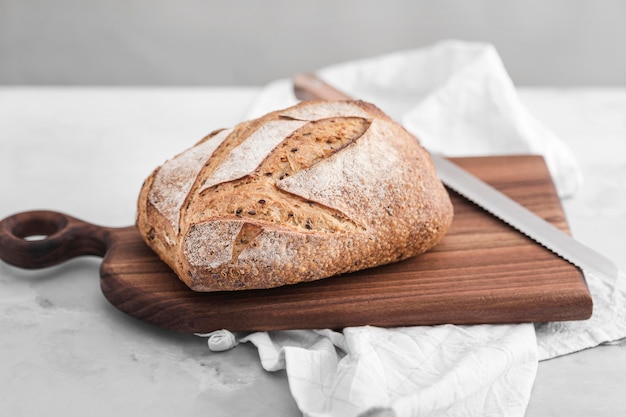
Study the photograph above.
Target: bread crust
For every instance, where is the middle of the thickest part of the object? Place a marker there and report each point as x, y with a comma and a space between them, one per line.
309, 192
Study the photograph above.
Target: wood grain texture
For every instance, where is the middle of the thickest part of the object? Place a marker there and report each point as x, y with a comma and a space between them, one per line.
482, 272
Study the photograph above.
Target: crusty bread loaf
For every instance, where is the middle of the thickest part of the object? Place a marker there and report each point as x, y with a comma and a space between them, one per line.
316, 190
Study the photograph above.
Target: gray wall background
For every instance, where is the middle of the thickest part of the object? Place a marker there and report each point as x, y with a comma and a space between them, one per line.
246, 42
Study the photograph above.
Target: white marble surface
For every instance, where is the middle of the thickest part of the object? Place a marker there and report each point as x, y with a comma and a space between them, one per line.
85, 151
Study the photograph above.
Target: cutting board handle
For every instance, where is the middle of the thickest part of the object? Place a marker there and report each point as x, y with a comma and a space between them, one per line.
38, 239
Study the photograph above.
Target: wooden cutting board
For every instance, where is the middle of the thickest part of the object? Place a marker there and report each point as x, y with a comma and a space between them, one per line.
482, 272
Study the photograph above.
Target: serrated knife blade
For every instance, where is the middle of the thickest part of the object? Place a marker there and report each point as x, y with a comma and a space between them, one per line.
309, 86
522, 219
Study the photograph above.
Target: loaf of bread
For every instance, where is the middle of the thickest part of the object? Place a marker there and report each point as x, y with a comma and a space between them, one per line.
313, 191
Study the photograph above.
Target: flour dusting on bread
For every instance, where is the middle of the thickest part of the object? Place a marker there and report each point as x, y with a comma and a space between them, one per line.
174, 179
326, 109
244, 159
355, 181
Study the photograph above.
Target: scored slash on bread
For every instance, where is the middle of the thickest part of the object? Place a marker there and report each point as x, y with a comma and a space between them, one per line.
309, 192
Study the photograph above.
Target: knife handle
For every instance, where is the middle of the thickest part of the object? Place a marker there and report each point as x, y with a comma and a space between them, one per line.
311, 87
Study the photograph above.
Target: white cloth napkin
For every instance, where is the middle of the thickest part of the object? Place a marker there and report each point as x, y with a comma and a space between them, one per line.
457, 98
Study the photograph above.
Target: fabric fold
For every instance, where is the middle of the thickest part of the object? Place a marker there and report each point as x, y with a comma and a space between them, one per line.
414, 371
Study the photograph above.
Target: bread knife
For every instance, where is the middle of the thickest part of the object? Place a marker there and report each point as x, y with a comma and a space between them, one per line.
309, 86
